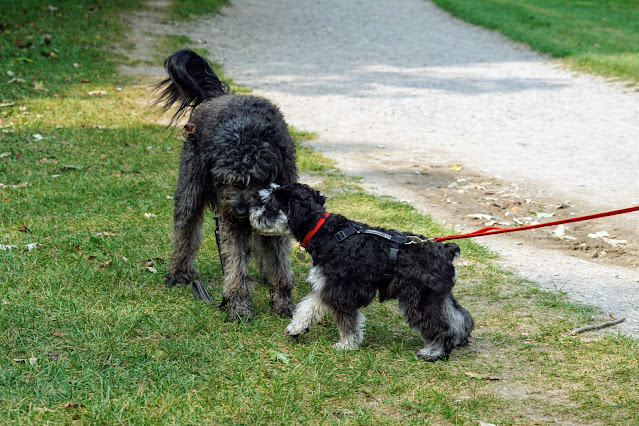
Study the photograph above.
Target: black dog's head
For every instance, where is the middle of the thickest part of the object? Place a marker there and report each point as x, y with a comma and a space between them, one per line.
287, 210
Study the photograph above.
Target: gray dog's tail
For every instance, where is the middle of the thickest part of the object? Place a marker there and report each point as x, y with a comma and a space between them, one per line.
191, 81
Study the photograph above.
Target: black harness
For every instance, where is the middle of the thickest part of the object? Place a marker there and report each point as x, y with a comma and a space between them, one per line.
396, 240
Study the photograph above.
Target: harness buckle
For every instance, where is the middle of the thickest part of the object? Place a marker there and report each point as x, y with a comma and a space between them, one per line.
341, 236
414, 239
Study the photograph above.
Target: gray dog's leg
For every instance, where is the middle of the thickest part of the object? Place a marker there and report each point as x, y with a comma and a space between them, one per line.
238, 284
188, 217
274, 259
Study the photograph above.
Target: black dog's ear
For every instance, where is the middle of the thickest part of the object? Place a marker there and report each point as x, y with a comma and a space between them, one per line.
319, 198
282, 194
453, 251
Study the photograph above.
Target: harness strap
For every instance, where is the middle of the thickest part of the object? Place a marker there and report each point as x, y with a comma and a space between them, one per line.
337, 238
396, 239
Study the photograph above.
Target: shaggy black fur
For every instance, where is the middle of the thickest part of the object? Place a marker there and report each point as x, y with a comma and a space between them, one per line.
234, 146
349, 275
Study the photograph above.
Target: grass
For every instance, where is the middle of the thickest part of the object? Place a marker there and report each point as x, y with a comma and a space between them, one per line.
597, 36
88, 334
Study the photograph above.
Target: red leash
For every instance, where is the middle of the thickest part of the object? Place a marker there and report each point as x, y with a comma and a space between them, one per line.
492, 230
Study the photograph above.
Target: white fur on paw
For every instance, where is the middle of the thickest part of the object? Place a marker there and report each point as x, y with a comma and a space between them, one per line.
295, 329
430, 353
345, 346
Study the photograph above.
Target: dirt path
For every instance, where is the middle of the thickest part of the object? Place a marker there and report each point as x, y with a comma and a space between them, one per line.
400, 94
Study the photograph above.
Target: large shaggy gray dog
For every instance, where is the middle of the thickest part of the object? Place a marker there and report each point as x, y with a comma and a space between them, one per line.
234, 146
352, 262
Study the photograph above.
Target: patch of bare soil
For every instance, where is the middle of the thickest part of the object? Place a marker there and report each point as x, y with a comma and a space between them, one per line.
470, 201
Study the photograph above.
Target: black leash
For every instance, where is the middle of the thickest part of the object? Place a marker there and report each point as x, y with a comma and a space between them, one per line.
199, 289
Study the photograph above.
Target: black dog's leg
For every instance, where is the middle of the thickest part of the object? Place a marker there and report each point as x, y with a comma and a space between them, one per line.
459, 319
426, 314
274, 260
235, 252
188, 217
350, 323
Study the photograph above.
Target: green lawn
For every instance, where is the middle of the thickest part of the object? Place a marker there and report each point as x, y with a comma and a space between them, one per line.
90, 334
598, 36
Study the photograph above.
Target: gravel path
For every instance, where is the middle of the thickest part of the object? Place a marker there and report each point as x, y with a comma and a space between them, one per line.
392, 88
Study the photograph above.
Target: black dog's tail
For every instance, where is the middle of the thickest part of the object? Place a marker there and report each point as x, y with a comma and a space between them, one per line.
191, 81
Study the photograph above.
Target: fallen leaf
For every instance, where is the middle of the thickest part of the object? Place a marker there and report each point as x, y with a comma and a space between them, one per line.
105, 264
97, 93
77, 248
21, 44
38, 86
560, 231
23, 228
104, 234
456, 168
480, 216
599, 234
279, 356
72, 406
480, 376
31, 361
614, 242
37, 136
542, 214
147, 263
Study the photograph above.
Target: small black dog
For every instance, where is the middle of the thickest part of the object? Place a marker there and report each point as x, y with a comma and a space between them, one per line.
234, 146
353, 262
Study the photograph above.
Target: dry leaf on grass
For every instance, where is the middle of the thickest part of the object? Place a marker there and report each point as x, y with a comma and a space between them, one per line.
480, 376
31, 361
149, 265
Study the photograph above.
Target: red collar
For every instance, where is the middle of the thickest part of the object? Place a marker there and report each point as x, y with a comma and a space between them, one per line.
312, 232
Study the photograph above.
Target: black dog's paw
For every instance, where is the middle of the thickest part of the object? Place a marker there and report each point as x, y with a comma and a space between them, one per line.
431, 358
295, 331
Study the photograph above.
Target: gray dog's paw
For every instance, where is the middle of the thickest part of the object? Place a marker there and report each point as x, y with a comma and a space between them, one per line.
283, 306
239, 310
